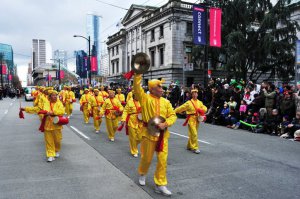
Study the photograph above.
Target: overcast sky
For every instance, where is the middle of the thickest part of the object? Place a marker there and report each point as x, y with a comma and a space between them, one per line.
56, 21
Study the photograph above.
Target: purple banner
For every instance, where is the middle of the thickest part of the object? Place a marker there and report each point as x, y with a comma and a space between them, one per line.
199, 21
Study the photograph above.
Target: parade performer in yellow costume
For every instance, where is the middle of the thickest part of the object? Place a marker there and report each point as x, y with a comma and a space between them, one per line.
120, 97
154, 105
112, 109
52, 132
84, 105
193, 108
133, 124
103, 93
69, 99
62, 94
96, 102
129, 95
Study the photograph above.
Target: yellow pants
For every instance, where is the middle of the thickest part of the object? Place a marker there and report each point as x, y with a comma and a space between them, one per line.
134, 139
111, 126
52, 142
147, 151
97, 123
193, 136
86, 115
69, 108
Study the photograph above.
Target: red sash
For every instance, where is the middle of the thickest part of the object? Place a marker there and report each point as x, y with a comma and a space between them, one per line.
197, 111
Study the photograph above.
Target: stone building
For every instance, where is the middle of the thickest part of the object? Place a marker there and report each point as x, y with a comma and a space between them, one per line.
164, 33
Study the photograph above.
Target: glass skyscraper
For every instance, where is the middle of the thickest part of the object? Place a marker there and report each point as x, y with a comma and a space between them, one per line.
8, 56
93, 30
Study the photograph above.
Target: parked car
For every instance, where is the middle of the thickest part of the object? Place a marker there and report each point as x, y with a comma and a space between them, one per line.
28, 90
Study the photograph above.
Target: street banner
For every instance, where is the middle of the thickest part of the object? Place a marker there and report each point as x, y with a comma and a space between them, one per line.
9, 77
215, 16
48, 78
200, 25
298, 52
62, 74
4, 71
85, 63
94, 64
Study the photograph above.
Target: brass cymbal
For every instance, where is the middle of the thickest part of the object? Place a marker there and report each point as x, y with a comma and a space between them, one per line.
152, 125
140, 63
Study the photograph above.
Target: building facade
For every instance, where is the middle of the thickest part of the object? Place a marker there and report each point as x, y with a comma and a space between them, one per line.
81, 63
93, 30
164, 34
62, 57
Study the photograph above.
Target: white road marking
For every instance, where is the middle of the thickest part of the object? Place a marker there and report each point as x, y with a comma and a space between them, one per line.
188, 137
5, 112
80, 133
11, 104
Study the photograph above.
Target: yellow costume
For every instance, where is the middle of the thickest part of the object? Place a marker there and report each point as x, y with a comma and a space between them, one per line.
95, 104
52, 133
103, 94
191, 108
109, 108
121, 98
69, 98
84, 106
129, 96
153, 106
130, 116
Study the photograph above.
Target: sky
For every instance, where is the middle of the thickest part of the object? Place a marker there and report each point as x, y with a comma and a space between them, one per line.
57, 21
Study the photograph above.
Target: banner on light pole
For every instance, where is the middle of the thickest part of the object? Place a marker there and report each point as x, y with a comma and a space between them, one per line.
215, 16
298, 52
200, 25
94, 64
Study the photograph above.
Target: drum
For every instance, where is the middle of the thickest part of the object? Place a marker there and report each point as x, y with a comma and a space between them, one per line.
202, 118
139, 116
60, 120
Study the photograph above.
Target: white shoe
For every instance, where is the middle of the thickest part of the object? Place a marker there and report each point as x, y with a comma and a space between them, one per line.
112, 139
197, 151
87, 122
163, 190
135, 155
69, 117
57, 155
97, 132
142, 180
50, 159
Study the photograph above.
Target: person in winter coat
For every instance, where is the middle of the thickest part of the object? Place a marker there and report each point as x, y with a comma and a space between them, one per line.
287, 105
270, 95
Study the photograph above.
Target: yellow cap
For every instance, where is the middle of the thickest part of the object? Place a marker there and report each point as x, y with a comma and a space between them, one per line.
111, 91
155, 82
96, 90
118, 89
194, 90
86, 89
52, 92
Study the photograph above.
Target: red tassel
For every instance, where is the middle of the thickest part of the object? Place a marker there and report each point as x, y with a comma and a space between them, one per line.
128, 75
120, 127
160, 142
186, 120
21, 114
42, 126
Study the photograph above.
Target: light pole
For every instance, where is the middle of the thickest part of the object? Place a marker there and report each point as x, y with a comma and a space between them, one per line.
89, 60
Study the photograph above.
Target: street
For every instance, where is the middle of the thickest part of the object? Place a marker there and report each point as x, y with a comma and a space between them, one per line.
232, 164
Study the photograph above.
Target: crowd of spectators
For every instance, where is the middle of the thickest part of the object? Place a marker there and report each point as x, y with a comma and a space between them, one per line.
258, 108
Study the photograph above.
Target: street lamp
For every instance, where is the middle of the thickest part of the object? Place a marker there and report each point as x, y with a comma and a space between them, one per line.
59, 60
89, 65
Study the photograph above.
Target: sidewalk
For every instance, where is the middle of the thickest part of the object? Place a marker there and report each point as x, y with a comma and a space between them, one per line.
80, 172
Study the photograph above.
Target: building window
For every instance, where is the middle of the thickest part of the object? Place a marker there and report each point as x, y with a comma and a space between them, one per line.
128, 64
117, 66
189, 28
161, 56
113, 51
152, 54
117, 49
152, 35
161, 31
113, 67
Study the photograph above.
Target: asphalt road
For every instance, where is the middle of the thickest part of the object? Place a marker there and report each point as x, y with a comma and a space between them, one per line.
232, 164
